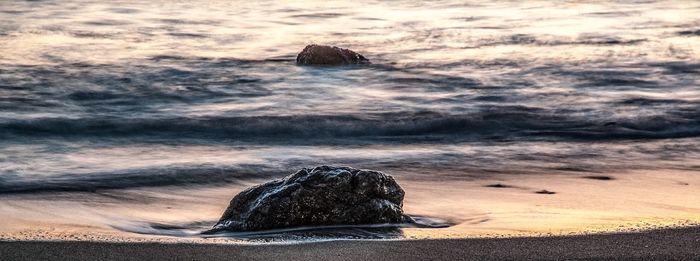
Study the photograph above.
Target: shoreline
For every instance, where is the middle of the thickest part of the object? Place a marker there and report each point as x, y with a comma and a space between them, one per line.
658, 244
628, 202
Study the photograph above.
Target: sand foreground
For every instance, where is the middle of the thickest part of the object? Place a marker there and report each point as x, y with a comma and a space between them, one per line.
665, 244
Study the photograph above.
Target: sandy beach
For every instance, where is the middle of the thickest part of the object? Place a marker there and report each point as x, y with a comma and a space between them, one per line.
500, 205
337, 130
665, 244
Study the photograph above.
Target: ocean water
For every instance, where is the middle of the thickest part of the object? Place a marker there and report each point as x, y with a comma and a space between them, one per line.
114, 96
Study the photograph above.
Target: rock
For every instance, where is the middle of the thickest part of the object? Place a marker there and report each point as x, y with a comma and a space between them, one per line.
320, 196
329, 55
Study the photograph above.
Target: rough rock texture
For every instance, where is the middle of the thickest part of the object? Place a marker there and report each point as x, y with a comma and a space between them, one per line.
329, 55
323, 195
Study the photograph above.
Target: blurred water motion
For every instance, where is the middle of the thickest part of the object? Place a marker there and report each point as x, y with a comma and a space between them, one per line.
123, 95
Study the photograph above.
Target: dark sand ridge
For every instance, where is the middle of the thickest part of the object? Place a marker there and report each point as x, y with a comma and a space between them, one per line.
666, 244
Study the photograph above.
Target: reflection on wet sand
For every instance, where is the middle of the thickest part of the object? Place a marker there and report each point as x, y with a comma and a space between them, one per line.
632, 201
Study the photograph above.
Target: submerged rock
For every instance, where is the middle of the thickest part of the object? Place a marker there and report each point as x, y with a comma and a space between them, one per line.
323, 195
329, 55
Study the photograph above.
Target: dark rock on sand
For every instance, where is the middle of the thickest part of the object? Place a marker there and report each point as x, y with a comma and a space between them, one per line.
544, 191
498, 185
599, 177
329, 55
323, 195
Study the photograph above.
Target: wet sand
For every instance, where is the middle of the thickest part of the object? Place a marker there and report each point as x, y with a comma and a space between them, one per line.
666, 244
500, 206
127, 127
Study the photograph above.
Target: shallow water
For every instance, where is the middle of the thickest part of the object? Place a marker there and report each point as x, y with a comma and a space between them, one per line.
100, 97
